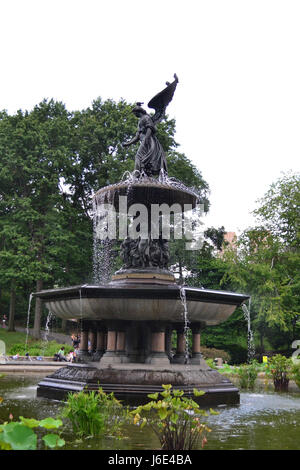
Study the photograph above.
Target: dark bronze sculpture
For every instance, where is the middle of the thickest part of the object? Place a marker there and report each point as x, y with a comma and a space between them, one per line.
150, 158
145, 253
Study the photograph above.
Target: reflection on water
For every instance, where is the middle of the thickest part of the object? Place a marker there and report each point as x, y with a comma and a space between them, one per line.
261, 421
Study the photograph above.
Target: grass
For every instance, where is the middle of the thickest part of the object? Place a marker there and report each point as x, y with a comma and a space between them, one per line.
11, 337
15, 343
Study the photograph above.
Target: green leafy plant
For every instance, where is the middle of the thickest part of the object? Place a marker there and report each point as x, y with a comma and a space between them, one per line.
226, 369
211, 363
93, 413
296, 373
247, 375
20, 435
280, 369
174, 418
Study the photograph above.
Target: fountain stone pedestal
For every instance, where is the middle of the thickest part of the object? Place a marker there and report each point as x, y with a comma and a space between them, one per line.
133, 382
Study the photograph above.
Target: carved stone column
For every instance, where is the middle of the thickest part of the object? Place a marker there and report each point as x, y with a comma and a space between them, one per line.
115, 349
100, 341
121, 341
196, 352
93, 340
180, 356
158, 351
83, 352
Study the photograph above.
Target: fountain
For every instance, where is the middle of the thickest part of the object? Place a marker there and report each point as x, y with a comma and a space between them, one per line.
130, 319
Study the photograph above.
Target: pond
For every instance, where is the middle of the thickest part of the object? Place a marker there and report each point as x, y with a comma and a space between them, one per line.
262, 421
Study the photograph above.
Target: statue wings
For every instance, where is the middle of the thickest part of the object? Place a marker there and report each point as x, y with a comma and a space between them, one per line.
160, 101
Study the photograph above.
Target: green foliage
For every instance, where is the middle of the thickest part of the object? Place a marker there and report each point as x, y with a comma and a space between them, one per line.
266, 264
38, 348
175, 419
17, 436
212, 353
53, 441
280, 369
279, 209
230, 336
10, 338
296, 373
211, 363
20, 435
247, 375
94, 413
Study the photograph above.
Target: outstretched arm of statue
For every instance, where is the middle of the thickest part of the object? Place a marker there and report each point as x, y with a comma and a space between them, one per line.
134, 140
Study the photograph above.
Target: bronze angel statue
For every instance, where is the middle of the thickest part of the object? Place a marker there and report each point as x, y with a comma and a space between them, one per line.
150, 157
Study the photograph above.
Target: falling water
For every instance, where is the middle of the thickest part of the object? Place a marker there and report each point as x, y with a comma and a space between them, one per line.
250, 339
46, 334
186, 321
80, 305
102, 250
27, 323
47, 327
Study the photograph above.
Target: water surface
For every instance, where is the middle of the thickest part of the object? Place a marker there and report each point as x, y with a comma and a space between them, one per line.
262, 421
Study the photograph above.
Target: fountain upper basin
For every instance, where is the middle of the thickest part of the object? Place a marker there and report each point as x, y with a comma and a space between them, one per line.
147, 189
140, 303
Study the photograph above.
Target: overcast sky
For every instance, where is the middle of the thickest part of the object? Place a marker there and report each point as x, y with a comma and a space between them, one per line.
237, 104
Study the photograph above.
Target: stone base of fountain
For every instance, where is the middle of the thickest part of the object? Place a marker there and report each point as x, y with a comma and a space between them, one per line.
130, 326
133, 382
150, 276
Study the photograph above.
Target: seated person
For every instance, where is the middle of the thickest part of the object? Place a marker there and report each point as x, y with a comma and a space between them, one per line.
60, 356
28, 357
71, 356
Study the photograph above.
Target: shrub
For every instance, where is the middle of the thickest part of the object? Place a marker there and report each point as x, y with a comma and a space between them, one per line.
212, 353
175, 419
280, 369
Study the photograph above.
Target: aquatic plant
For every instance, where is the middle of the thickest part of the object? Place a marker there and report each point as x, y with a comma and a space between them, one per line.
175, 419
247, 375
280, 369
20, 435
296, 373
94, 413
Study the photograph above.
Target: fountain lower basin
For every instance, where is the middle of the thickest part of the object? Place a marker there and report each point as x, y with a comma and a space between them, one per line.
138, 302
133, 323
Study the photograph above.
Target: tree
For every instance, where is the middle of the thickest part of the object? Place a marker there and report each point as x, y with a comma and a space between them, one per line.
267, 261
33, 148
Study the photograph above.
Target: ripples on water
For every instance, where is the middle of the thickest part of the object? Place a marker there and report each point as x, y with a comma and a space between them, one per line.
261, 421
